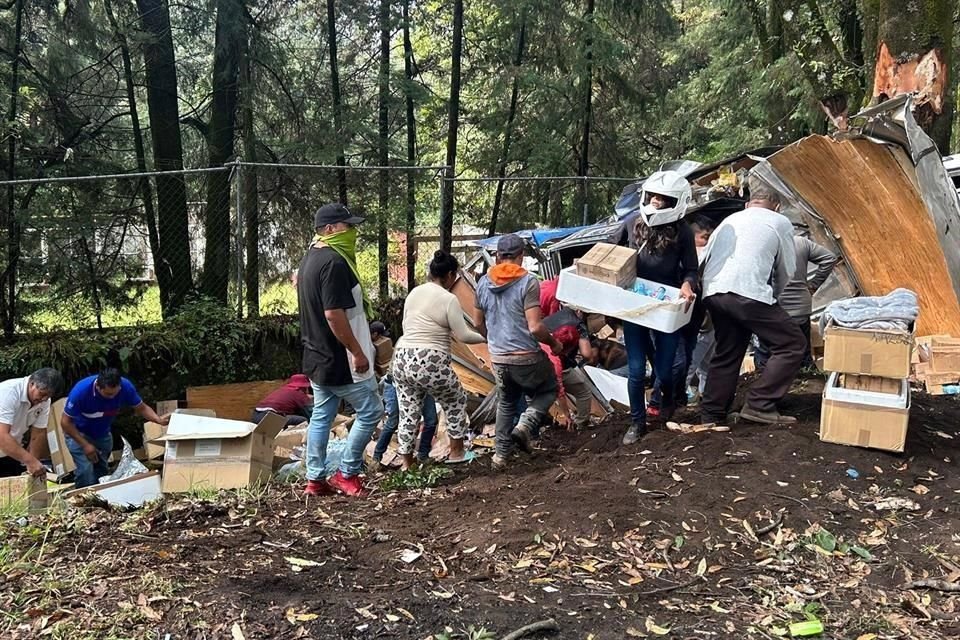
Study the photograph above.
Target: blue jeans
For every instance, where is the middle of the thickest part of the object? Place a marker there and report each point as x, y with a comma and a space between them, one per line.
681, 362
640, 342
365, 400
88, 473
392, 419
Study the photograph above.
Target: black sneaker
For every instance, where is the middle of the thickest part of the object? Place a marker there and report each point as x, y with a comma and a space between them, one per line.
634, 433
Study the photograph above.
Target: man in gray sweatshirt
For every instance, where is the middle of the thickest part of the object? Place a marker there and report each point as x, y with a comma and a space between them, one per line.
747, 263
797, 297
508, 314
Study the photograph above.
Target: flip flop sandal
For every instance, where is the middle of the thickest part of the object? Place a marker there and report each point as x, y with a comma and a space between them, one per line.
468, 456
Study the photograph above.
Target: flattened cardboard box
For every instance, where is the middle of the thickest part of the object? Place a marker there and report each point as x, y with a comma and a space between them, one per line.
884, 354
213, 453
152, 431
60, 456
609, 263
128, 492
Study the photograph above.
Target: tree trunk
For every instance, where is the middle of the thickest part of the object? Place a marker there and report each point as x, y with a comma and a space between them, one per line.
228, 43
9, 285
453, 126
913, 55
145, 188
250, 198
383, 148
411, 226
337, 100
172, 221
584, 166
511, 116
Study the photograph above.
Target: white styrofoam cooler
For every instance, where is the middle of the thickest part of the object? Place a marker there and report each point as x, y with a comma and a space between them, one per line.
598, 297
833, 391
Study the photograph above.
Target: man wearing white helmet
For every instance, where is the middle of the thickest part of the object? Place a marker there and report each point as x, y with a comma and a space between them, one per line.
666, 254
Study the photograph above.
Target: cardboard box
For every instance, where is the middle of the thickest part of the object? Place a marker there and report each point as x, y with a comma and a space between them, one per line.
24, 492
205, 452
287, 439
60, 457
586, 294
870, 383
937, 378
134, 491
153, 431
864, 418
944, 358
609, 263
883, 354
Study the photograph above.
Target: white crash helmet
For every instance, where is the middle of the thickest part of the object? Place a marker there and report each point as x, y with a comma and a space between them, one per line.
672, 185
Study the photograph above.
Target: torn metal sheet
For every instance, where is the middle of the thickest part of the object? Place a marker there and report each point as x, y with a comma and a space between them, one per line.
893, 214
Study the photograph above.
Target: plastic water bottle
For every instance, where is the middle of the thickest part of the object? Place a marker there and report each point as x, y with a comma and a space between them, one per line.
640, 288
660, 293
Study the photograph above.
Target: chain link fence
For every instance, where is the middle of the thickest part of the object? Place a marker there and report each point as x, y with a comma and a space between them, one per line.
112, 250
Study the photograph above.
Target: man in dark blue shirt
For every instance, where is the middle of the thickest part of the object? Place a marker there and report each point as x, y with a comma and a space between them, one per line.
91, 408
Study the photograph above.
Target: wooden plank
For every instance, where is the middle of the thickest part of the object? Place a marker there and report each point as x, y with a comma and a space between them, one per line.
869, 202
231, 401
472, 382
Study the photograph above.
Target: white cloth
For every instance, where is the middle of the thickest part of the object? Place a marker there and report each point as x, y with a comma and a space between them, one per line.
895, 311
750, 254
430, 315
361, 331
15, 409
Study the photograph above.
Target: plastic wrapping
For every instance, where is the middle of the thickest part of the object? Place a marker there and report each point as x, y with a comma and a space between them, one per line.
129, 465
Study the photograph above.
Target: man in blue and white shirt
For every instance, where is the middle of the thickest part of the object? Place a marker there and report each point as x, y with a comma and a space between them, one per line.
91, 408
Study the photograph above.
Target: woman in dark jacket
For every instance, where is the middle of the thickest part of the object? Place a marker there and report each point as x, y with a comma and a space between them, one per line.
666, 254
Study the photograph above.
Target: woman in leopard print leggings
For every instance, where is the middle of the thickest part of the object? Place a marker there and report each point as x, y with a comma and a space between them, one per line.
421, 362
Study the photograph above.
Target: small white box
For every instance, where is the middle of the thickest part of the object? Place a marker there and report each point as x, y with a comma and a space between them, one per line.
833, 391
610, 300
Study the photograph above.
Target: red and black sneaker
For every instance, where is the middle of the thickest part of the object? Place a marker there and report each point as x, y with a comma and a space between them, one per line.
352, 486
318, 488
653, 412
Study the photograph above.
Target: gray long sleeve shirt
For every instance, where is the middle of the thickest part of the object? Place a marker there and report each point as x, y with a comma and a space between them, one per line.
796, 298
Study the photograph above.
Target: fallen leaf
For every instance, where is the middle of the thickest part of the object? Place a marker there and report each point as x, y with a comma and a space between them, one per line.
652, 627
149, 613
716, 607
293, 617
469, 550
635, 633
365, 612
443, 595
921, 489
676, 476
510, 597
867, 636
237, 632
392, 618
491, 549
583, 542
301, 563
702, 567
408, 614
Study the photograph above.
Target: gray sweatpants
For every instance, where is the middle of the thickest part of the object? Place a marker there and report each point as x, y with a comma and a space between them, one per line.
537, 382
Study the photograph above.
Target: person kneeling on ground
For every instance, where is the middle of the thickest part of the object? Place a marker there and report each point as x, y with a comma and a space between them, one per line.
421, 364
92, 406
748, 261
568, 327
508, 313
337, 349
25, 404
291, 400
391, 419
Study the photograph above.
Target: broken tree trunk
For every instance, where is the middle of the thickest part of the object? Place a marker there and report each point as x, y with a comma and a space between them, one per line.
913, 54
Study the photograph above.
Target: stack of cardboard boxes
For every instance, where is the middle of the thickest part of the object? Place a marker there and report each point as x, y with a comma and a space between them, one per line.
936, 364
866, 401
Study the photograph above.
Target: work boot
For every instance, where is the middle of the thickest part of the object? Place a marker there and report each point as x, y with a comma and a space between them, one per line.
634, 433
318, 488
498, 462
521, 437
352, 486
765, 417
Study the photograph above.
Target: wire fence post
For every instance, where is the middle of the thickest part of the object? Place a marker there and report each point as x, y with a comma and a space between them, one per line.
237, 184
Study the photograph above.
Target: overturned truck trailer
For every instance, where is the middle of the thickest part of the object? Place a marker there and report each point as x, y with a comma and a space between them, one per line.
878, 196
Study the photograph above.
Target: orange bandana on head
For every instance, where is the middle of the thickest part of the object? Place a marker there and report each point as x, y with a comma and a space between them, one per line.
506, 272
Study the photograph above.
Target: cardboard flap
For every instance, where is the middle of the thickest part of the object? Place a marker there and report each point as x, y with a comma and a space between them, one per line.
188, 427
271, 425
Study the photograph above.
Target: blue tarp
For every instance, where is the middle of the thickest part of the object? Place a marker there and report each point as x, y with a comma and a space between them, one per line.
536, 237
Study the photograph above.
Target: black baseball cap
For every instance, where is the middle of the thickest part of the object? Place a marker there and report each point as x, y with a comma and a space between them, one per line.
378, 327
510, 246
333, 213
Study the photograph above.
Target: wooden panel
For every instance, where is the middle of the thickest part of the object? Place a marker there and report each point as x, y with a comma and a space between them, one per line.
472, 382
231, 401
872, 206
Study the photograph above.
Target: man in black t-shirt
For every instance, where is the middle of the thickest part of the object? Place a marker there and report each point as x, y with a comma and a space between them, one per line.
337, 349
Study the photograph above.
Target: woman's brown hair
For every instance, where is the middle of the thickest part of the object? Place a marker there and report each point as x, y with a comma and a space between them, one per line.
656, 239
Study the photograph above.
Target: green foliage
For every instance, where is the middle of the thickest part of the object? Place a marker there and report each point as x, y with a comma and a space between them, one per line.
418, 478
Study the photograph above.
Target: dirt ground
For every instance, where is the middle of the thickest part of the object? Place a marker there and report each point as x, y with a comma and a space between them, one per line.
716, 535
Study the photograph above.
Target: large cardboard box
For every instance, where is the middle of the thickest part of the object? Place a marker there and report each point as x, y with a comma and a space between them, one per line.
944, 358
609, 263
865, 418
204, 452
26, 492
60, 457
134, 491
883, 354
